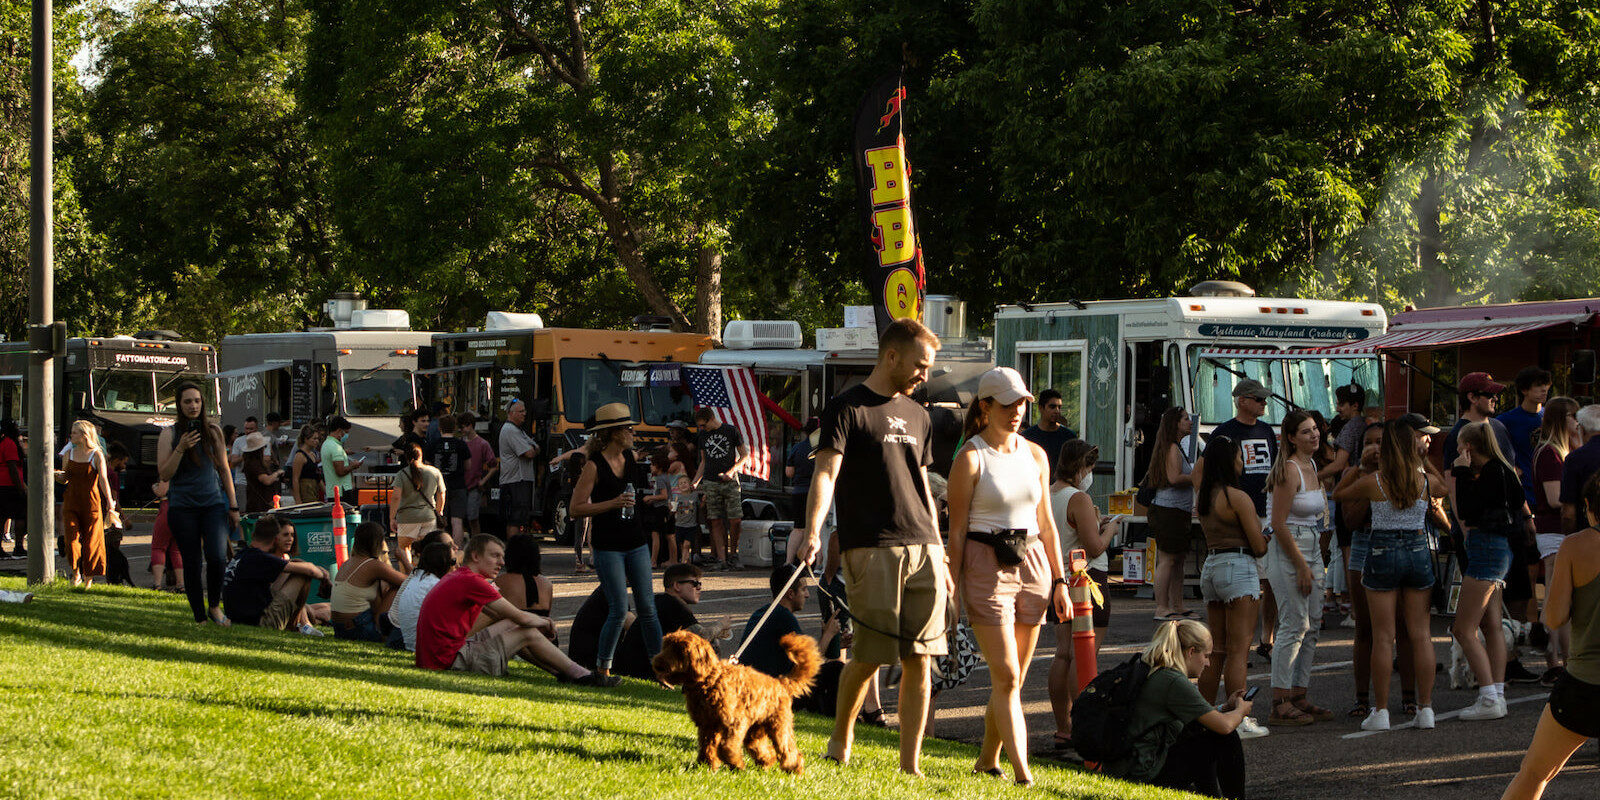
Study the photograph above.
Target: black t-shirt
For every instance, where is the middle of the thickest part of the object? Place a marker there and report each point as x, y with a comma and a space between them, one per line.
633, 659
764, 653
881, 491
1050, 442
583, 639
1258, 444
405, 442
450, 456
247, 584
804, 466
719, 448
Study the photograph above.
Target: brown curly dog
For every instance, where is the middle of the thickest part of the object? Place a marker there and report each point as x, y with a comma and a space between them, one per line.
735, 706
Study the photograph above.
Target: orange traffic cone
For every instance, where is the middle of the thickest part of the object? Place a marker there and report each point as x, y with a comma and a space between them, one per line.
1079, 592
341, 540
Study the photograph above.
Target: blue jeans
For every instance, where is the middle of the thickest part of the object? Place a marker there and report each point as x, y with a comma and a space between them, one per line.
620, 570
201, 530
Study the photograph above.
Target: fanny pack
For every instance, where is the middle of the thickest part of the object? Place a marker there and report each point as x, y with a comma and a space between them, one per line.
1010, 546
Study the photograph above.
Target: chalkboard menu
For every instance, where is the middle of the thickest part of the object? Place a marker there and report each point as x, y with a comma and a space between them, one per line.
302, 392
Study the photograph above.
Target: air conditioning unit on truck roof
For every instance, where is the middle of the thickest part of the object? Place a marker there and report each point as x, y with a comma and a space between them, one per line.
762, 334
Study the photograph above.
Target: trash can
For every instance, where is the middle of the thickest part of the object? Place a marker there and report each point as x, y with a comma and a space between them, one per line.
313, 532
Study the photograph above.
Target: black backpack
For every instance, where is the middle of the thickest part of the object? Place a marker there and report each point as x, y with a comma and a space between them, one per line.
1103, 712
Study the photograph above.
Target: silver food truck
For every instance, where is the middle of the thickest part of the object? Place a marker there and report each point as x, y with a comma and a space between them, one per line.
361, 368
123, 384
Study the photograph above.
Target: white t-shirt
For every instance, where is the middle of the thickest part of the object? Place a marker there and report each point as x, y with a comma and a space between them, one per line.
407, 605
1067, 532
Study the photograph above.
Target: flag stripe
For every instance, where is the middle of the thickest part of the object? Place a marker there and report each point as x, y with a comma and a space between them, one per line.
734, 390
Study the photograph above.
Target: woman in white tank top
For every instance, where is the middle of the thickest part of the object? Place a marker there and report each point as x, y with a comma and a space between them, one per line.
1296, 505
1004, 556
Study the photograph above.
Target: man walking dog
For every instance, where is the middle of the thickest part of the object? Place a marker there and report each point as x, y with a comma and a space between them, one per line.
873, 459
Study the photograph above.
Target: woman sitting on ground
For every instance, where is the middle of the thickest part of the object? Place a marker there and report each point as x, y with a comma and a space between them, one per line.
364, 587
436, 556
1181, 741
1229, 580
523, 581
1572, 716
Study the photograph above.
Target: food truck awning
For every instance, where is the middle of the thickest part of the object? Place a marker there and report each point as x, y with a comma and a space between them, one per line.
454, 368
1409, 338
267, 366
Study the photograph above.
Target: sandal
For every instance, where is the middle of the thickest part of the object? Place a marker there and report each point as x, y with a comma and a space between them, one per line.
1316, 712
873, 718
1294, 718
1408, 703
1062, 742
1360, 710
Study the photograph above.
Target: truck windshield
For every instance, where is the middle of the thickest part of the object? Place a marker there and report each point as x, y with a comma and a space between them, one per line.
376, 392
1214, 382
1314, 380
124, 390
1308, 382
589, 383
663, 404
167, 388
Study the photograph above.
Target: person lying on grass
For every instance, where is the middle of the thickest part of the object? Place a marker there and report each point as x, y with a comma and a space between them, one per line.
262, 586
445, 637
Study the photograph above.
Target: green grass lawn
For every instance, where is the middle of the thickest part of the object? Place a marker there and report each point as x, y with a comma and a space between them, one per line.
115, 693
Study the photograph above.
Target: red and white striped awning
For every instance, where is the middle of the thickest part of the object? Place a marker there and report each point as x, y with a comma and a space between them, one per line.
1427, 338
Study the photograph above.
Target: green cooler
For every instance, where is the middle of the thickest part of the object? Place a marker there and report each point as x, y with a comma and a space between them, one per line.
313, 530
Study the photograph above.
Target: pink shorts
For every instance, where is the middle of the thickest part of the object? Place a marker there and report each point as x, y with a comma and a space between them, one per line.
997, 595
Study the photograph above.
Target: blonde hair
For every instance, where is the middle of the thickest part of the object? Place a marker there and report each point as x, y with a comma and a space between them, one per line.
1553, 430
1174, 639
90, 434
1481, 438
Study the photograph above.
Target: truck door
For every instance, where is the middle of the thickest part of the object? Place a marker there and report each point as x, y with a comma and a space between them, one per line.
1147, 385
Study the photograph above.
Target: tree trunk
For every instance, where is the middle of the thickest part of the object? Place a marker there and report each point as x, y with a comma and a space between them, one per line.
708, 293
1437, 288
620, 232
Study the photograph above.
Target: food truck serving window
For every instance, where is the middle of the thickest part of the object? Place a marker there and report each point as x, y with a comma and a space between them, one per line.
376, 392
124, 390
589, 383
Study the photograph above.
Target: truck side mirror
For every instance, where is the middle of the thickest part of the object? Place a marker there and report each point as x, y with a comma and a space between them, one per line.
1583, 366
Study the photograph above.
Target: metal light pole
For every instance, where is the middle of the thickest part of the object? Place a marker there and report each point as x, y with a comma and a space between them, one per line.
43, 338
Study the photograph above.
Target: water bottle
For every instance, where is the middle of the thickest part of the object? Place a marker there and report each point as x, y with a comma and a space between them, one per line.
627, 511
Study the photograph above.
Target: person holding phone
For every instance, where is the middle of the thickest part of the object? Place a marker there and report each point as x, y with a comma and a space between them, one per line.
192, 456
1180, 740
336, 464
1074, 511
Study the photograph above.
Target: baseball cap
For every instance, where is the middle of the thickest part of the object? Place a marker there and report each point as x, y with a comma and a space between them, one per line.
1419, 423
1251, 388
1479, 383
1004, 385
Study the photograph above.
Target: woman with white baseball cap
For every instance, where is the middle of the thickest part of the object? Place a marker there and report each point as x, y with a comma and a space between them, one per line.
1004, 555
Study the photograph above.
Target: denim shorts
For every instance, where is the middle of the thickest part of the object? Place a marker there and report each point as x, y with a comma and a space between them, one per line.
1488, 556
1226, 577
363, 627
1360, 545
1398, 559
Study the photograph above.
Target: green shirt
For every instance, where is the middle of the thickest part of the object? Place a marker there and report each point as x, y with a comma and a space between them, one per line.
1168, 702
333, 451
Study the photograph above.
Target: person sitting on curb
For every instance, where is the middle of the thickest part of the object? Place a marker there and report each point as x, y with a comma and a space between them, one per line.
452, 607
680, 585
262, 586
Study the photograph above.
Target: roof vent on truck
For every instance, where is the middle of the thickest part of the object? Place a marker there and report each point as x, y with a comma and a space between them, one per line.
652, 322
160, 335
1221, 289
380, 319
762, 334
511, 321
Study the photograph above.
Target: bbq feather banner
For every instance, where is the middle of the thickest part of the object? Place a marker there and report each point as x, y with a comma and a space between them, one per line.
893, 272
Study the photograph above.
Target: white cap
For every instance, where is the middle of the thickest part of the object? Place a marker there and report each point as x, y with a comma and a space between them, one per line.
1004, 385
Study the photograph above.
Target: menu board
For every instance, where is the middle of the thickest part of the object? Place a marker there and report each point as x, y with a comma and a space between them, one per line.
302, 392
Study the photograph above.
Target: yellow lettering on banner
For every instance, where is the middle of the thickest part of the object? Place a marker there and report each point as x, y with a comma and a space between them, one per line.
888, 166
900, 295
897, 243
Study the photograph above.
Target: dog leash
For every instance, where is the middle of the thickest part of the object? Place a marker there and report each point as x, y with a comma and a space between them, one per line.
750, 632
842, 604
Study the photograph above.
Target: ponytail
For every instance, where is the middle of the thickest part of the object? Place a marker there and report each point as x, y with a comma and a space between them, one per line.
413, 457
1172, 640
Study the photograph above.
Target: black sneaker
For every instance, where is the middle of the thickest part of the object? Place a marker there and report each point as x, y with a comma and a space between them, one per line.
1550, 676
1516, 673
1538, 636
596, 679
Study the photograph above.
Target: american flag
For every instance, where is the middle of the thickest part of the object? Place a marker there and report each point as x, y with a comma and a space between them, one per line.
732, 392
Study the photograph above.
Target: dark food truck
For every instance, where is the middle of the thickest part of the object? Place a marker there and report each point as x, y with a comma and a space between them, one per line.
563, 375
123, 384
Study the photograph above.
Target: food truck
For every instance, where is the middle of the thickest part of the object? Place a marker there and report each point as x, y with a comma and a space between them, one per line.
360, 367
562, 375
123, 384
1120, 363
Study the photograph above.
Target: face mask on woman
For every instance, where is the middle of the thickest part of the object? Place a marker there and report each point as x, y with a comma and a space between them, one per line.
1088, 480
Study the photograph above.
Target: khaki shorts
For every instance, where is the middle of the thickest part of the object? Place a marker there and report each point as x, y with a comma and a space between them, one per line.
407, 532
900, 590
998, 595
483, 653
286, 601
723, 499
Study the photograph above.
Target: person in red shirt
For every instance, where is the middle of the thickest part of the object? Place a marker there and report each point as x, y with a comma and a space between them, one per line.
444, 625
13, 488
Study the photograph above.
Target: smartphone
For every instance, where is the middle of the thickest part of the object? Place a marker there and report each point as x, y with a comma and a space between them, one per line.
1250, 694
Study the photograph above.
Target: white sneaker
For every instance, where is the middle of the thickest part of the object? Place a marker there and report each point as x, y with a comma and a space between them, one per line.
1348, 622
310, 631
1424, 718
1378, 720
1250, 729
1485, 708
